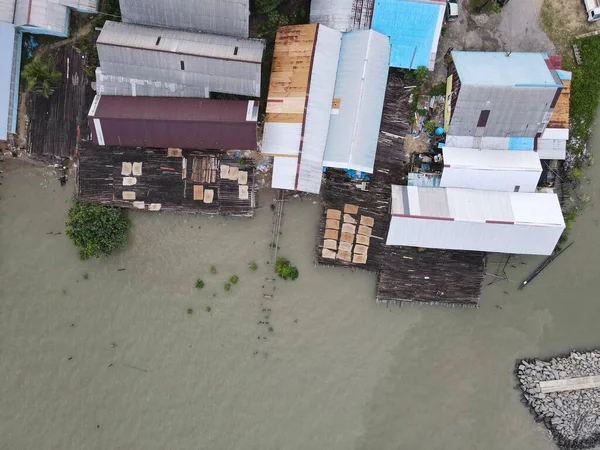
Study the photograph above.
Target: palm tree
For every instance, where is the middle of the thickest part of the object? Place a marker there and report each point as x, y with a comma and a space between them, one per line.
40, 76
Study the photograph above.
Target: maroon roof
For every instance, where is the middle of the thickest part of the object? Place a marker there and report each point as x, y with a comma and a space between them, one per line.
164, 122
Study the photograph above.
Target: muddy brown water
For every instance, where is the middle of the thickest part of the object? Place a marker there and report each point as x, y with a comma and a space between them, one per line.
116, 362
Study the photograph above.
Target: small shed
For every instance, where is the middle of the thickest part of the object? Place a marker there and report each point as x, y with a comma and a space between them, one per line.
358, 101
493, 170
163, 122
414, 28
469, 219
299, 104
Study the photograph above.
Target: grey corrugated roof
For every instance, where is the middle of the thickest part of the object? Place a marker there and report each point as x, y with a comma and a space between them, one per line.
227, 17
360, 87
342, 15
518, 112
182, 42
196, 60
7, 10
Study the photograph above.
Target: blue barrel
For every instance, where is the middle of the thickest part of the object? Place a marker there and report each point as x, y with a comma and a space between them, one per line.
439, 131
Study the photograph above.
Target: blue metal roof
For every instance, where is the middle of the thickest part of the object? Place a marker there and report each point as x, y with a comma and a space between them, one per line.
414, 29
7, 45
498, 69
564, 75
521, 143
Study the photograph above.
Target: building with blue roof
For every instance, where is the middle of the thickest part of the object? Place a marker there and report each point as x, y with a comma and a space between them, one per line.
414, 29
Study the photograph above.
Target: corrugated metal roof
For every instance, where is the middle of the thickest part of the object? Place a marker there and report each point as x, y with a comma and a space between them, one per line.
553, 143
46, 14
174, 122
513, 112
342, 15
299, 104
414, 29
7, 10
468, 219
7, 42
89, 6
201, 61
424, 179
226, 17
498, 69
490, 159
493, 170
359, 91
182, 42
116, 85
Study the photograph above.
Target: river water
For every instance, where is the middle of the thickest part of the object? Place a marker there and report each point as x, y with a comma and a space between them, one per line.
115, 361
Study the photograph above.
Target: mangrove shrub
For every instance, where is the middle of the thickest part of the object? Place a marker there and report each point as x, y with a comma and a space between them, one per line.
96, 229
285, 270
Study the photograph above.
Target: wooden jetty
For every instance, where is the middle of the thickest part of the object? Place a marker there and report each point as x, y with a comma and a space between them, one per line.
406, 275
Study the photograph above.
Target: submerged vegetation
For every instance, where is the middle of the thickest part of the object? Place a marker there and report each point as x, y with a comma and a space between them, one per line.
199, 284
285, 270
97, 230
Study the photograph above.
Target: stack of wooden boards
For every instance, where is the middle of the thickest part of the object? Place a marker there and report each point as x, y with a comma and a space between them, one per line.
348, 235
131, 171
235, 174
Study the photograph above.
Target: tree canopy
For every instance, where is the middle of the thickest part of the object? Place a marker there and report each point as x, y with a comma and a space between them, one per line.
96, 229
40, 75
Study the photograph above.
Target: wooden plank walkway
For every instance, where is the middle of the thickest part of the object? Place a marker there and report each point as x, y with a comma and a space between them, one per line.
570, 384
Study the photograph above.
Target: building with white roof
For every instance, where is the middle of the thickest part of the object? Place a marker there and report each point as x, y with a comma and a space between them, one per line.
299, 104
469, 219
358, 101
492, 170
141, 60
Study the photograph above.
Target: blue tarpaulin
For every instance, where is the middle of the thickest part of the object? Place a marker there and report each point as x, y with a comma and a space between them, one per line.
414, 29
521, 143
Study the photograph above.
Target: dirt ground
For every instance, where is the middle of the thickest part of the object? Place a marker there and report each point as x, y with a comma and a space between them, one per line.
519, 27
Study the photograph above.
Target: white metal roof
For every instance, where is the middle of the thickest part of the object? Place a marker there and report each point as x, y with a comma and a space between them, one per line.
553, 143
183, 42
490, 159
82, 5
227, 17
468, 219
7, 10
303, 143
360, 90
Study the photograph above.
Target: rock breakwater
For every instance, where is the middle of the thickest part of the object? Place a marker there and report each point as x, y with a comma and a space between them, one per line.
572, 416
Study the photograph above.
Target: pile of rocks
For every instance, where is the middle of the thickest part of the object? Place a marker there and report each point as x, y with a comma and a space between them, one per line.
573, 417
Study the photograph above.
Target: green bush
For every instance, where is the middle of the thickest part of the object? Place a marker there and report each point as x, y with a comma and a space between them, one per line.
40, 76
253, 266
199, 284
430, 127
213, 270
234, 279
96, 229
285, 270
421, 73
227, 286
